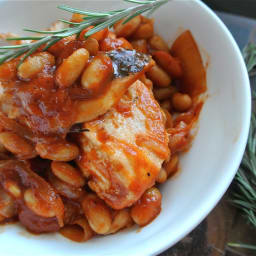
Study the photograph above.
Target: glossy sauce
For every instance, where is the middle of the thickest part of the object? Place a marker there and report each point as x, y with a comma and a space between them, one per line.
35, 223
180, 136
186, 50
73, 232
48, 110
42, 107
20, 173
124, 109
43, 113
139, 171
147, 207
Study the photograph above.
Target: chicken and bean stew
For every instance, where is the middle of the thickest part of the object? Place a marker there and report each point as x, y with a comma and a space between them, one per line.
91, 127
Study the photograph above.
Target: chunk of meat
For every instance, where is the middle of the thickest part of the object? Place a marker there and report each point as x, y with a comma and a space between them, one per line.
7, 205
37, 224
128, 66
34, 192
124, 149
33, 99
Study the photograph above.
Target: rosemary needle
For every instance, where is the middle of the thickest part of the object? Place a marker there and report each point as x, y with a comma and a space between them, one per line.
244, 186
249, 54
99, 20
243, 246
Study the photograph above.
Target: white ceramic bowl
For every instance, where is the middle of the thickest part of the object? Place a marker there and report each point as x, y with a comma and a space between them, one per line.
207, 169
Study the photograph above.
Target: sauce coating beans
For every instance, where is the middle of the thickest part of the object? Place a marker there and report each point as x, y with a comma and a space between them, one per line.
109, 44
171, 165
166, 104
159, 77
181, 102
67, 173
169, 121
97, 213
162, 177
59, 151
121, 220
17, 145
170, 64
13, 188
164, 93
125, 30
7, 205
34, 64
92, 46
147, 208
34, 195
34, 204
91, 127
8, 70
79, 231
144, 31
140, 45
102, 65
71, 68
157, 43
65, 189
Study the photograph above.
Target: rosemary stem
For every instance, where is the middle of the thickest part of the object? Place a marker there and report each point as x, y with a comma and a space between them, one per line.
99, 20
244, 246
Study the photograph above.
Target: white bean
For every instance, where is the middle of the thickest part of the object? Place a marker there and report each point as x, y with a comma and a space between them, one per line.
34, 64
67, 173
97, 213
71, 68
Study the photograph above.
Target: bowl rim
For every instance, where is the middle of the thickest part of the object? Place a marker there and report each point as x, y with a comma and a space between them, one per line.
163, 241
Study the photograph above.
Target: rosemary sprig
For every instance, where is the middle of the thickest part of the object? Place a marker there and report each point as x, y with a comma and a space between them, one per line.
243, 246
244, 193
244, 186
99, 20
249, 54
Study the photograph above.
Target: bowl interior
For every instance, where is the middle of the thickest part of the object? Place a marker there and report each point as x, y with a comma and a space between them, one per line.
209, 166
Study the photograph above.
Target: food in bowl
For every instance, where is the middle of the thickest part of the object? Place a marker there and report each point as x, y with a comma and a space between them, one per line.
91, 126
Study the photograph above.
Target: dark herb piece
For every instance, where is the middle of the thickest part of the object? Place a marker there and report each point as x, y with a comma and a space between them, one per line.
126, 62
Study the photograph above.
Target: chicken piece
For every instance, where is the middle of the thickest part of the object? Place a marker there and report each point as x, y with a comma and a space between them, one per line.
124, 149
32, 191
46, 110
128, 66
